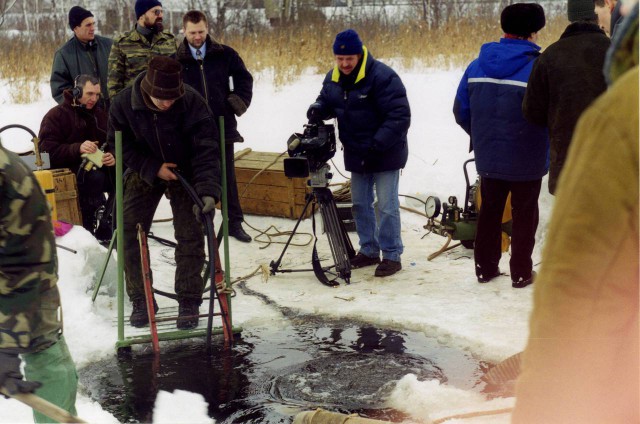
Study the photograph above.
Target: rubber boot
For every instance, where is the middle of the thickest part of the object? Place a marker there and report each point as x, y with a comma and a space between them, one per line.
54, 368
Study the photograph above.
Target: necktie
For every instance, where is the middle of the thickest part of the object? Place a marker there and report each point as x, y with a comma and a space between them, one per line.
198, 55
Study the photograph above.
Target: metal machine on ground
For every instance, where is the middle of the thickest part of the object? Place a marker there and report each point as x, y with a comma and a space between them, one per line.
460, 222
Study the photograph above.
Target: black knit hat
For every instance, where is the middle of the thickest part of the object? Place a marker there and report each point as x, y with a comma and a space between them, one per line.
522, 19
347, 43
76, 15
578, 10
163, 79
142, 6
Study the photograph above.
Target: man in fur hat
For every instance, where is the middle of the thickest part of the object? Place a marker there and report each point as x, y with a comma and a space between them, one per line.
165, 125
511, 154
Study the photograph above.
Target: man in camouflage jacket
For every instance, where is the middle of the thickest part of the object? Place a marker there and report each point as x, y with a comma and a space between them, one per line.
30, 323
132, 50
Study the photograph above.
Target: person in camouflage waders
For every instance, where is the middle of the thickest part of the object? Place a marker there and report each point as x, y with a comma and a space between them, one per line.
132, 51
30, 313
166, 124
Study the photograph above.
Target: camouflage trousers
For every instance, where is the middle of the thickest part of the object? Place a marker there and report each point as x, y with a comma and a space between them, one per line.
139, 204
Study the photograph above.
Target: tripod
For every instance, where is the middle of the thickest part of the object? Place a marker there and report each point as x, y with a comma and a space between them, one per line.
339, 242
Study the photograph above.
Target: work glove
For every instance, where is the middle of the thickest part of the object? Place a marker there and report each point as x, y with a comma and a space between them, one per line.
11, 379
315, 113
208, 205
237, 104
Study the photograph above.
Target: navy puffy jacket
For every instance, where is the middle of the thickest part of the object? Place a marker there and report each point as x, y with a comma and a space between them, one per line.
488, 106
373, 117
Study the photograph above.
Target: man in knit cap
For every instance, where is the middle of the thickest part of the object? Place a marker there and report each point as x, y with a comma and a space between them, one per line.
370, 103
565, 79
166, 124
132, 50
511, 154
84, 54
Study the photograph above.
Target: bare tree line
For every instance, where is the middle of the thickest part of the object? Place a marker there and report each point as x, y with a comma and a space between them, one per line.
116, 16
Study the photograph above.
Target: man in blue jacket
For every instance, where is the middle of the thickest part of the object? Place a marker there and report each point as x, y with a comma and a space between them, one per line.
511, 154
370, 103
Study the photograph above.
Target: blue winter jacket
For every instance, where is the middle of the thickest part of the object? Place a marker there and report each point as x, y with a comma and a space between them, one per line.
373, 117
488, 106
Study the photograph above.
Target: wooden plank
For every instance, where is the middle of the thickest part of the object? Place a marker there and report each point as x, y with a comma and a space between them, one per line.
66, 194
241, 153
265, 190
273, 194
244, 176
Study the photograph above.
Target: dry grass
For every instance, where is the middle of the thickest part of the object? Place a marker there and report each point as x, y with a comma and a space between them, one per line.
25, 64
286, 52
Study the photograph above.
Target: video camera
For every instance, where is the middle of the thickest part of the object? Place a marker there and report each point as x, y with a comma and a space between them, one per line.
310, 151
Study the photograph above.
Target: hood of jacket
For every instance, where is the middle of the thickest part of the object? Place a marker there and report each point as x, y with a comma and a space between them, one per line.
499, 60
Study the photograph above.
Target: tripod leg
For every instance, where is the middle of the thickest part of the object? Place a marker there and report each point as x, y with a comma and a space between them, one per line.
339, 241
274, 265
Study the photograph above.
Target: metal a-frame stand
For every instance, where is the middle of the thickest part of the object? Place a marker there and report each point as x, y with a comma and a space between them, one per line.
158, 329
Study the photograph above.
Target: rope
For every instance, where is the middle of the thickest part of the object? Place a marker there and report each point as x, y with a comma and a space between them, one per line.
472, 415
260, 172
277, 233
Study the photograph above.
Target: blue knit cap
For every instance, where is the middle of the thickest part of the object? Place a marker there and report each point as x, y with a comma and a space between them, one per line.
142, 6
347, 43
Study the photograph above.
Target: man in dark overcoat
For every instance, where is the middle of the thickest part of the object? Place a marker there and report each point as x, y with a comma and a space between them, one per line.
86, 53
565, 80
218, 73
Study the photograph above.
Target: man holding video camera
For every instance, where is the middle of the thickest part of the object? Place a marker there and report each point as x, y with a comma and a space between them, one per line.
370, 103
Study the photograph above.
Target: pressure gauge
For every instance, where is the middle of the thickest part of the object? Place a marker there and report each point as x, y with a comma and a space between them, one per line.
432, 207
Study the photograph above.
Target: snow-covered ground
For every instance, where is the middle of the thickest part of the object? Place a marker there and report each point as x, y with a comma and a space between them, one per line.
440, 298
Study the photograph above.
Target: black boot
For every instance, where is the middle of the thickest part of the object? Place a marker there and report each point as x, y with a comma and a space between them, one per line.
104, 226
236, 230
139, 316
89, 206
188, 311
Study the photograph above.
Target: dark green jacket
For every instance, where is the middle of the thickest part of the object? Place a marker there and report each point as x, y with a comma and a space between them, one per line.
75, 58
29, 299
186, 135
130, 54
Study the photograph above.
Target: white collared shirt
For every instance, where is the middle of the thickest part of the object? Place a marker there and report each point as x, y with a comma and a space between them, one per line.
202, 49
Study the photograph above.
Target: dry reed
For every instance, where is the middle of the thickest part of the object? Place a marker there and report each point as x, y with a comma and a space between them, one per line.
285, 53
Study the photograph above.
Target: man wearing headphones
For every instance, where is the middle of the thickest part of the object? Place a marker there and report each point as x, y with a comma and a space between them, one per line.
85, 53
75, 128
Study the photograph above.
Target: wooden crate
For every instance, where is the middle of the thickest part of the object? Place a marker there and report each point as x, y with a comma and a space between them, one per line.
271, 192
66, 192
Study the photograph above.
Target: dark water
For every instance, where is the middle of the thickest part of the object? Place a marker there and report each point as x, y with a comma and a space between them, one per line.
271, 374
